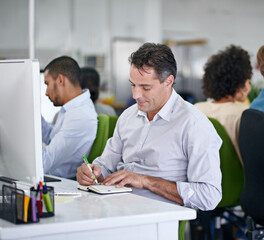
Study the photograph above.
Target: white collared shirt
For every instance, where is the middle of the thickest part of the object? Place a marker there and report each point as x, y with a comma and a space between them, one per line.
70, 138
180, 144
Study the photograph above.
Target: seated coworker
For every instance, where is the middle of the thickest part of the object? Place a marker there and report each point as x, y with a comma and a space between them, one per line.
163, 146
226, 80
90, 79
258, 102
75, 129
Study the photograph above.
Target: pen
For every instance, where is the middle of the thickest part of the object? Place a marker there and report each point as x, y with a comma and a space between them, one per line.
39, 200
33, 207
88, 165
47, 200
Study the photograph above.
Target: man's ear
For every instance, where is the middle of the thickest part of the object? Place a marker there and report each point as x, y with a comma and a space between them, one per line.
169, 81
61, 79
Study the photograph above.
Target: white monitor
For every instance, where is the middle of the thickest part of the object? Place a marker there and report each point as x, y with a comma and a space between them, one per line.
20, 121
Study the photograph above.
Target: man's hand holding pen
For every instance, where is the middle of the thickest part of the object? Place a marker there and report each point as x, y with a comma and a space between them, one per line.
86, 177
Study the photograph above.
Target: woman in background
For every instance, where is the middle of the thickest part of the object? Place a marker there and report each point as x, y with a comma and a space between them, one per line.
225, 81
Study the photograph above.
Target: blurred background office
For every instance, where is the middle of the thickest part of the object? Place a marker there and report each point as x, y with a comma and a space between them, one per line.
102, 34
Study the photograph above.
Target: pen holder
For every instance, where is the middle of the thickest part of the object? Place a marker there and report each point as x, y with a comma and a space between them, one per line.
44, 200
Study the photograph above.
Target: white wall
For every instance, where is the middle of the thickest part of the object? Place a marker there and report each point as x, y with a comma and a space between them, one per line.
87, 27
13, 28
221, 22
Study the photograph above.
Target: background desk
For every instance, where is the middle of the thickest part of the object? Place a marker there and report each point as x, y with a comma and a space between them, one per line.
102, 217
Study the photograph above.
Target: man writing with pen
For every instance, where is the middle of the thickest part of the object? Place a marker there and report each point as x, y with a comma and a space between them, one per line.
162, 147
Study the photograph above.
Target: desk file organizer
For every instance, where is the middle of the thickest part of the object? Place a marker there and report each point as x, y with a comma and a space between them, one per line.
17, 207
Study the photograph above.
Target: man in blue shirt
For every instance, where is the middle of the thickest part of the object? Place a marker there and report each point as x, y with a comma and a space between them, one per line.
258, 102
76, 126
162, 146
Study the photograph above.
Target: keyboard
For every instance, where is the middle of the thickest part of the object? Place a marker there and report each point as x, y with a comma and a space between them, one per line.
26, 187
68, 193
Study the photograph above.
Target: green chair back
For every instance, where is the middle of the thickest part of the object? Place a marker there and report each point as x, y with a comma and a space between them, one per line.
233, 176
112, 124
101, 137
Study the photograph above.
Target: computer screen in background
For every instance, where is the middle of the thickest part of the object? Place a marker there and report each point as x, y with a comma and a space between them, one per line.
20, 121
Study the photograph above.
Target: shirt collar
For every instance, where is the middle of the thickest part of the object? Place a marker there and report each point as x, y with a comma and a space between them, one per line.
76, 101
165, 111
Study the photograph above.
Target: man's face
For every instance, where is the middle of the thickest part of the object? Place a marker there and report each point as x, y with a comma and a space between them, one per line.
147, 90
52, 89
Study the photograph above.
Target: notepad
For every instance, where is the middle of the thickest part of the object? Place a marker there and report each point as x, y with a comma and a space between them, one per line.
102, 189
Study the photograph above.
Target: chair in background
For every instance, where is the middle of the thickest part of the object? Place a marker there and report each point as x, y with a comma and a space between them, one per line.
101, 137
251, 146
232, 186
112, 123
233, 176
182, 225
187, 96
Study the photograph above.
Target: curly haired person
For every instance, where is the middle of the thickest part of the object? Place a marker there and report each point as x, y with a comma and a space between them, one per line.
227, 80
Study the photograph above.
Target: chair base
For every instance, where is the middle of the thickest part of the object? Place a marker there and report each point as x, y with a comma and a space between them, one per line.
254, 232
209, 225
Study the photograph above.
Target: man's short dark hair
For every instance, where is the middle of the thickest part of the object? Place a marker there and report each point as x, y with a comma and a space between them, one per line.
90, 79
66, 66
157, 56
226, 72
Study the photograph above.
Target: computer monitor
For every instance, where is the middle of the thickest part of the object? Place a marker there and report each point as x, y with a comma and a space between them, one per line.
20, 121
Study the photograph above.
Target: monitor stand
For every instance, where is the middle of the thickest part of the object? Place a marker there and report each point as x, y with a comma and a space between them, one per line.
51, 179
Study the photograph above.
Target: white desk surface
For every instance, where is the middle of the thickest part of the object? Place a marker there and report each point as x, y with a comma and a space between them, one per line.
96, 217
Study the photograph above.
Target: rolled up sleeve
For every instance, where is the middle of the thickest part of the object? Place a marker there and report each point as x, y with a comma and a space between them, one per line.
203, 189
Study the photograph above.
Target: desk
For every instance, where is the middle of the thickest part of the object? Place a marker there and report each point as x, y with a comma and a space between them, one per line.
102, 217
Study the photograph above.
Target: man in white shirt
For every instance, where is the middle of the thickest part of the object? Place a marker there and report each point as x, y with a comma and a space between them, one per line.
162, 144
76, 126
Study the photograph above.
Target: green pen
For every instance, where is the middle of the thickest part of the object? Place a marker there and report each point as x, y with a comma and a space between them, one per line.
88, 165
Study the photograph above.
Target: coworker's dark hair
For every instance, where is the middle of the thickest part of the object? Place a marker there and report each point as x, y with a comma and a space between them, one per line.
157, 56
66, 66
226, 72
90, 79
260, 59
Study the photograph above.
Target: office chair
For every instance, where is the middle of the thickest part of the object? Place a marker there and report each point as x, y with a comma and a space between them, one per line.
251, 134
101, 137
232, 186
187, 96
112, 124
182, 225
233, 176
